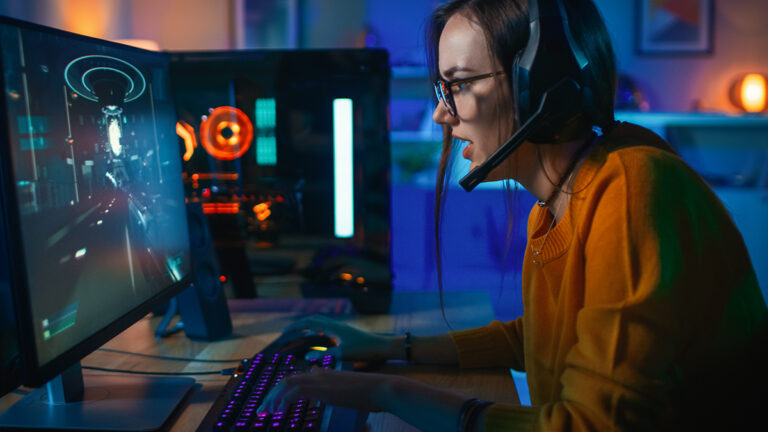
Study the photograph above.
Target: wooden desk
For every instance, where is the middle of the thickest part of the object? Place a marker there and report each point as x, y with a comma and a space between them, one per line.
258, 322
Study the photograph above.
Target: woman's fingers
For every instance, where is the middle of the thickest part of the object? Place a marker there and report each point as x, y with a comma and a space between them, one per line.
289, 391
314, 323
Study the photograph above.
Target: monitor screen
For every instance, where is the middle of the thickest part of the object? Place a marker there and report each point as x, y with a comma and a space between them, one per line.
295, 146
93, 196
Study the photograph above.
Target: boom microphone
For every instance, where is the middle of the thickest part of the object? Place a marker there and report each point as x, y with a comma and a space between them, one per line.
563, 99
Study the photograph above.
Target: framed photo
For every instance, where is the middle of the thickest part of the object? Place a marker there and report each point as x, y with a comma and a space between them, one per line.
675, 26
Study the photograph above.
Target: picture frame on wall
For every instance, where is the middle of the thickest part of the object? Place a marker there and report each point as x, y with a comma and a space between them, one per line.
674, 26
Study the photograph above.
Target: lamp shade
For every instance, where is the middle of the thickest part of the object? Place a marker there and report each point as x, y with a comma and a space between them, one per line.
748, 92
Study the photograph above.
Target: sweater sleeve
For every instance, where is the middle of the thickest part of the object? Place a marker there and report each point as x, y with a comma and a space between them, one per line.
495, 345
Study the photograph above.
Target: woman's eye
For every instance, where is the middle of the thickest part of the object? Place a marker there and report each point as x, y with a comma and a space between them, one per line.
461, 86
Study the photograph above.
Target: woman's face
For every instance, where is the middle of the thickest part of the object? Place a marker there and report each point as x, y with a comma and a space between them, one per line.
483, 107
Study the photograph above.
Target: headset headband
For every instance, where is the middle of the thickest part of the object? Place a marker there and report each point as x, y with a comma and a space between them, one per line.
550, 56
550, 81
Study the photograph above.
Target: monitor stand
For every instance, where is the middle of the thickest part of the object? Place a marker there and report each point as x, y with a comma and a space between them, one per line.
101, 402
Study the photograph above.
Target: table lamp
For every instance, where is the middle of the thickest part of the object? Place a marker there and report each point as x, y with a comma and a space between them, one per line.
748, 92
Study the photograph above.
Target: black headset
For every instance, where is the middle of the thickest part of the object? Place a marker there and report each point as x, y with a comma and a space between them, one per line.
550, 83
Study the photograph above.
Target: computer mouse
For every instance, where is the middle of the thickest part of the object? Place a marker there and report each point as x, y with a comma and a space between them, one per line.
299, 343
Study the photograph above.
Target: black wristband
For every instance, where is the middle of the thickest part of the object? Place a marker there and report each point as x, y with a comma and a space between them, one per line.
407, 347
464, 412
469, 414
474, 416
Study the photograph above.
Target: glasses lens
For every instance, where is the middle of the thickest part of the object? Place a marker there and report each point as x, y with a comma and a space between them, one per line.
443, 93
438, 91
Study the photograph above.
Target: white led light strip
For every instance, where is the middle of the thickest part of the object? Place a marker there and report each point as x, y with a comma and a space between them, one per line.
343, 185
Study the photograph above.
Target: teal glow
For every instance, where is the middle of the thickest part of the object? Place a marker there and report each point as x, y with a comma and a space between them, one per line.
266, 144
343, 186
265, 113
172, 264
266, 150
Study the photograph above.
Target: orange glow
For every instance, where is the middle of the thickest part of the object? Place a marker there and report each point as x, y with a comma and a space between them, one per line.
345, 276
262, 211
360, 280
217, 176
748, 92
753, 93
80, 16
233, 140
226, 147
187, 133
221, 208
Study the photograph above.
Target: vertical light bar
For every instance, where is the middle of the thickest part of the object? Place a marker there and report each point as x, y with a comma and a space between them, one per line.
343, 186
266, 144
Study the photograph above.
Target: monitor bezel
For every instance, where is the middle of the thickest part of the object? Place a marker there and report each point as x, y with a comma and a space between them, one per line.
33, 373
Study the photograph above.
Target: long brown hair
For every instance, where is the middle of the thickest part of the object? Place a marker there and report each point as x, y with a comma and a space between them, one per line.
506, 28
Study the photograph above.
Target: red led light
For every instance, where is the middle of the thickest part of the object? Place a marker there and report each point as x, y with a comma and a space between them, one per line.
227, 133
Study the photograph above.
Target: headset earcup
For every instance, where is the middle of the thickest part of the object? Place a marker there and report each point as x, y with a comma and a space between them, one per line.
521, 91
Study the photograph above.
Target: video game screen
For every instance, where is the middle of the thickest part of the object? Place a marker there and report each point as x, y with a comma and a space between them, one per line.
97, 177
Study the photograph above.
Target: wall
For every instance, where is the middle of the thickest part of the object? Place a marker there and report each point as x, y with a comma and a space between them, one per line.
173, 24
675, 83
671, 83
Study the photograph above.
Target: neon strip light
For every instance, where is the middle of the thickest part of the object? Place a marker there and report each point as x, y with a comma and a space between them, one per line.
217, 176
221, 208
187, 133
266, 150
266, 144
343, 186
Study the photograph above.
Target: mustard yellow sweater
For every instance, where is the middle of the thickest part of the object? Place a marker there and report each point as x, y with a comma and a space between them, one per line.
643, 287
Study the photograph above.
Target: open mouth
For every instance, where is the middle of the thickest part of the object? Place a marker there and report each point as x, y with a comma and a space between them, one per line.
467, 152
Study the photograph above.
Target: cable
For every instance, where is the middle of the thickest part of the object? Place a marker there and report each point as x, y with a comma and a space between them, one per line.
159, 357
220, 372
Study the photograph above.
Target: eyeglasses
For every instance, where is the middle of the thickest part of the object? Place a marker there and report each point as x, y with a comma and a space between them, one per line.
444, 93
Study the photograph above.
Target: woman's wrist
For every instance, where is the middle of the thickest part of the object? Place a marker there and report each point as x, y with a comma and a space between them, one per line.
389, 347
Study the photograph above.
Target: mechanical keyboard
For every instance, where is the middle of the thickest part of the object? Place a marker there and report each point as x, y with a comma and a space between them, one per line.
235, 408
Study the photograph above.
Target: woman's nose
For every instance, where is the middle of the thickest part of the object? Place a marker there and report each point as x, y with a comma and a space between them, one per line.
441, 115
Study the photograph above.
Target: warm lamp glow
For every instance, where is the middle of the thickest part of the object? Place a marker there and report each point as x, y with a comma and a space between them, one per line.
753, 92
749, 92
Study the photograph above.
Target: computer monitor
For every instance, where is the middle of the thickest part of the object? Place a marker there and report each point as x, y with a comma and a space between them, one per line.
94, 218
292, 146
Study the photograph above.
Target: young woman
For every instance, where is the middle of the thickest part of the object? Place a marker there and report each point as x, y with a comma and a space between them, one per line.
636, 283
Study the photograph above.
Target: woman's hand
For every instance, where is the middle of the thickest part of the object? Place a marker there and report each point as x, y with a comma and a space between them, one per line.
424, 406
353, 343
362, 391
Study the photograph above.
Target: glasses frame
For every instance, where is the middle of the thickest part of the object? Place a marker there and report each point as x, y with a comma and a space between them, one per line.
443, 89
